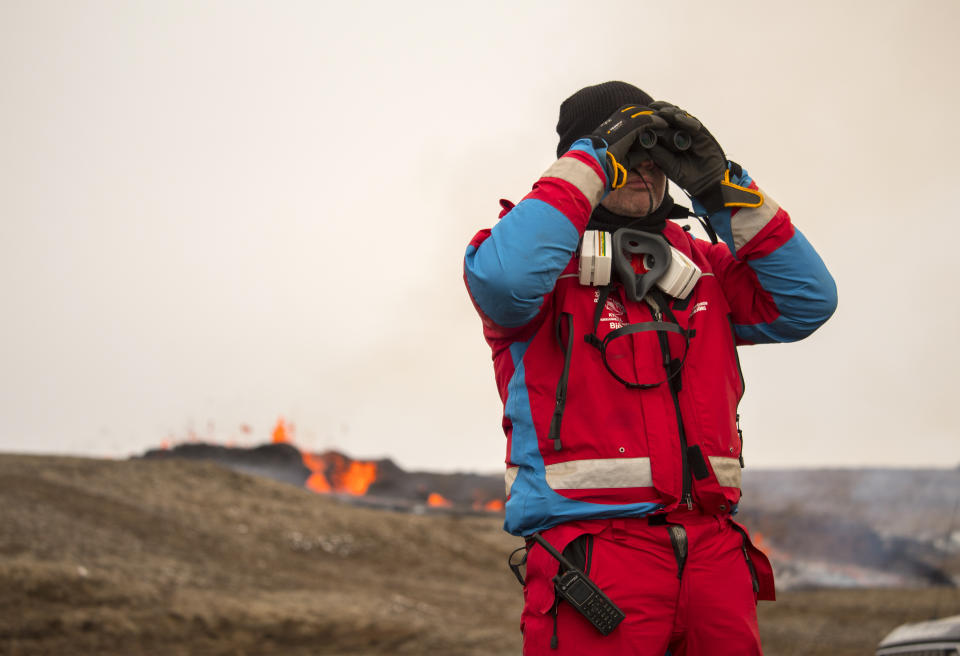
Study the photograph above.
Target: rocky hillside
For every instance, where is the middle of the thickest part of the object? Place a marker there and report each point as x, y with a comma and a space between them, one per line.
821, 528
170, 556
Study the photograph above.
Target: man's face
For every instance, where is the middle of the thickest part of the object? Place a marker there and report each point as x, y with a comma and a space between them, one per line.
643, 192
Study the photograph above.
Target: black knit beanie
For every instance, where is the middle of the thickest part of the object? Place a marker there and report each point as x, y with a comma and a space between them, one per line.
582, 112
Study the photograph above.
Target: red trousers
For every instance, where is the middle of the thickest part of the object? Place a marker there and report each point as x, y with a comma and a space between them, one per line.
708, 608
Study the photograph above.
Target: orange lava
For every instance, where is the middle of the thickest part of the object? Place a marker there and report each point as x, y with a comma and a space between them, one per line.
759, 542
332, 472
329, 472
771, 551
280, 433
436, 500
358, 477
318, 483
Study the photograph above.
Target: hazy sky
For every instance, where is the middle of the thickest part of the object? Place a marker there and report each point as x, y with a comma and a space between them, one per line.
218, 213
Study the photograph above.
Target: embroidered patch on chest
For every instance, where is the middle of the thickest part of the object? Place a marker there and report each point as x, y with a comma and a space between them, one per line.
613, 312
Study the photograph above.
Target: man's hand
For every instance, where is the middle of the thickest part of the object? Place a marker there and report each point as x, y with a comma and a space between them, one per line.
701, 168
626, 134
697, 169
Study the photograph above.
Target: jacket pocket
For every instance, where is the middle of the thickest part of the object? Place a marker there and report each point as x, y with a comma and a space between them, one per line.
580, 552
759, 565
538, 590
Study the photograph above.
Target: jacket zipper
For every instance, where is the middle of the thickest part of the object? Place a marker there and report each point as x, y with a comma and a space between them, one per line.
686, 495
743, 386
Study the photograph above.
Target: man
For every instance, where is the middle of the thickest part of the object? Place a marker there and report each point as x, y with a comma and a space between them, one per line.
620, 396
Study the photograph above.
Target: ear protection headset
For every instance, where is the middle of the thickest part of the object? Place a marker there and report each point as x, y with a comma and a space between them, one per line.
640, 260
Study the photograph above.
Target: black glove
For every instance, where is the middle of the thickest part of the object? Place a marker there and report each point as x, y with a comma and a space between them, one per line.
625, 134
699, 168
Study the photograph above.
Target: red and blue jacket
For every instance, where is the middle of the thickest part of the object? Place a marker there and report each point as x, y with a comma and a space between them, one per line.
581, 444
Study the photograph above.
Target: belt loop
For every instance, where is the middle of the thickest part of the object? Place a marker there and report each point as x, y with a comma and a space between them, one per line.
619, 527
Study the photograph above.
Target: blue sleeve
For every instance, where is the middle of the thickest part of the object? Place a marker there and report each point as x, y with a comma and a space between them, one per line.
512, 270
796, 295
510, 273
802, 289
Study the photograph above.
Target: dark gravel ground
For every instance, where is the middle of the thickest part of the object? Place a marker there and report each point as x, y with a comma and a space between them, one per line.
171, 557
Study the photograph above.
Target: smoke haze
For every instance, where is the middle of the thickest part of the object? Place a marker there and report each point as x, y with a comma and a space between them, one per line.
215, 214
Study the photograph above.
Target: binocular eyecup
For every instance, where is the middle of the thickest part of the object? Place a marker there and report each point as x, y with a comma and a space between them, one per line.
678, 139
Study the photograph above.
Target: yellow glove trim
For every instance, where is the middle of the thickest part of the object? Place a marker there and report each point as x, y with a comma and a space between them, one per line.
619, 173
646, 113
753, 192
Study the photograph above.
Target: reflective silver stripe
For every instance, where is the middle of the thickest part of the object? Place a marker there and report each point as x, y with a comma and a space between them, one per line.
579, 175
749, 221
600, 473
510, 477
727, 470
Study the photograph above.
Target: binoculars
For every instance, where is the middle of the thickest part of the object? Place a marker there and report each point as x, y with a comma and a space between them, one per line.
678, 139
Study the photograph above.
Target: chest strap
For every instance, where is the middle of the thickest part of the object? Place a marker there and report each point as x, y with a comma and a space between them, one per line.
657, 325
561, 397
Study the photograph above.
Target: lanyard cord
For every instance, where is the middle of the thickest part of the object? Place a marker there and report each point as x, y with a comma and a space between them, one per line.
660, 326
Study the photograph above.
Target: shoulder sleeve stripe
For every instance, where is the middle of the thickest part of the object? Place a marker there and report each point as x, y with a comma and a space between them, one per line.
563, 197
777, 232
747, 222
580, 175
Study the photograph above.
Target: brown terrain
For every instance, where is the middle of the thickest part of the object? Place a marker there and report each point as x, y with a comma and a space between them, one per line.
175, 556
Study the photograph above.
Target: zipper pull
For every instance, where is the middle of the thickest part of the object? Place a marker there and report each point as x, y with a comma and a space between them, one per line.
689, 502
654, 308
658, 316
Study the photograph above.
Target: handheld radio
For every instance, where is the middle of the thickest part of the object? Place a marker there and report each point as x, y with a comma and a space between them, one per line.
582, 593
